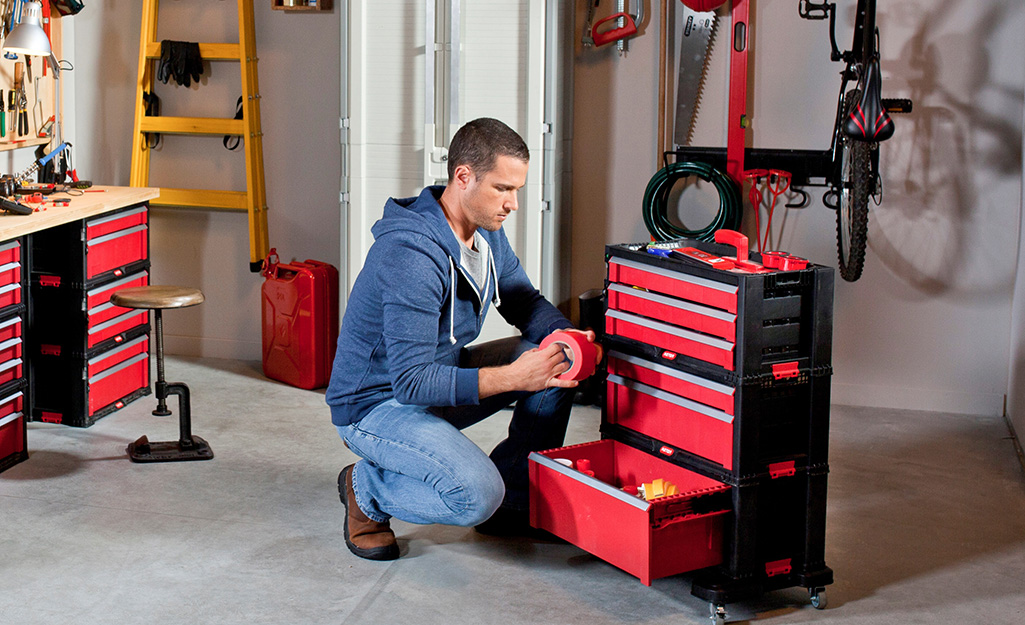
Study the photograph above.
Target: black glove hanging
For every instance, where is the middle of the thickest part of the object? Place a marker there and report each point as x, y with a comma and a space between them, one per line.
180, 59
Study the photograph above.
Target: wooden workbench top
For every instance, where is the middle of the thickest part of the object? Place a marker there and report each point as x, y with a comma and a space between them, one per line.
95, 201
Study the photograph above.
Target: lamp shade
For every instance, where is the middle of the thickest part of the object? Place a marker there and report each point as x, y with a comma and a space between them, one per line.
28, 37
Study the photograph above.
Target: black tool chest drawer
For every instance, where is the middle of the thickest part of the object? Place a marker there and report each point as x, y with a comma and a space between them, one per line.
78, 390
743, 322
92, 251
726, 374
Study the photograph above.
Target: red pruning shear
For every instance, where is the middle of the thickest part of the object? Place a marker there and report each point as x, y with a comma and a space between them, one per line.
777, 183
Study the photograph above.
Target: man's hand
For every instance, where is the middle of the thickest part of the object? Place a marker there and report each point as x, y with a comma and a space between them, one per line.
535, 370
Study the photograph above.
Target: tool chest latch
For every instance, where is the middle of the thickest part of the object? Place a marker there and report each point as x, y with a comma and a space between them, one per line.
778, 567
782, 469
49, 280
50, 350
785, 370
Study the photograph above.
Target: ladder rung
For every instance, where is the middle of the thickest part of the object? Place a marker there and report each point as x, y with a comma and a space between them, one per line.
193, 125
202, 198
209, 51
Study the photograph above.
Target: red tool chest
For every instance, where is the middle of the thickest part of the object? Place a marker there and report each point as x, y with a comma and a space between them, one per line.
13, 447
300, 321
724, 374
88, 357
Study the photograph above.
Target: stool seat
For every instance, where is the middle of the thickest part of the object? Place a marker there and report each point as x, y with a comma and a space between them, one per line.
157, 297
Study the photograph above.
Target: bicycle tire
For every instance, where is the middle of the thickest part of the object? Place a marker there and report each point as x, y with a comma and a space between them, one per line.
852, 207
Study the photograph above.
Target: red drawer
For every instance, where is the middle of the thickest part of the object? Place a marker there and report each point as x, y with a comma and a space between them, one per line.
98, 299
10, 349
672, 419
10, 294
697, 388
667, 337
12, 435
675, 311
11, 404
648, 539
100, 226
693, 288
10, 273
10, 252
10, 329
117, 325
119, 372
11, 370
110, 251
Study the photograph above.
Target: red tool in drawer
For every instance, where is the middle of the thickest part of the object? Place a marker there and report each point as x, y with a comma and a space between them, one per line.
648, 539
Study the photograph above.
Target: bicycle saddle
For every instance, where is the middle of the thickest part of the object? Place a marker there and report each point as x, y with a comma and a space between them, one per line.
868, 120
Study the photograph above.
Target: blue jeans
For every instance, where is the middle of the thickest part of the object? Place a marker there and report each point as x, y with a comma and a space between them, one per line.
418, 467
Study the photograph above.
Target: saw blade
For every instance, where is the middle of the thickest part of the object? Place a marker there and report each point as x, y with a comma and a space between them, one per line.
697, 35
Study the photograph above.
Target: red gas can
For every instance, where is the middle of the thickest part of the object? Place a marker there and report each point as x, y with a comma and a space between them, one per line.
300, 321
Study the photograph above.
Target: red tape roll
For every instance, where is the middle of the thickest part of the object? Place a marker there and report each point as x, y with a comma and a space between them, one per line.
586, 355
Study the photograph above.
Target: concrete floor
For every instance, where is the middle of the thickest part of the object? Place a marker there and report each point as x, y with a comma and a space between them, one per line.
926, 525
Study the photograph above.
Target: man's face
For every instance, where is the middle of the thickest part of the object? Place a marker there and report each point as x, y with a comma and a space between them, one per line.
491, 198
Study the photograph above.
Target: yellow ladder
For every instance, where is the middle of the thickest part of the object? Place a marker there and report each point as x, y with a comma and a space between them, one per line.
254, 198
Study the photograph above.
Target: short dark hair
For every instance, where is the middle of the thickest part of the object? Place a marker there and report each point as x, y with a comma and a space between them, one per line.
480, 142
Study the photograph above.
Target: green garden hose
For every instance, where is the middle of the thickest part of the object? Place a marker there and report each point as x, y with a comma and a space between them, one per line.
656, 198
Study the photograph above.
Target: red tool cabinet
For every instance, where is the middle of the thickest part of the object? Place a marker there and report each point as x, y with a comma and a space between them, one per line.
724, 375
88, 357
13, 447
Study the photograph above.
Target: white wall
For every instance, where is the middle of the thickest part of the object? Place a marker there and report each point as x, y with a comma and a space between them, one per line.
928, 324
299, 73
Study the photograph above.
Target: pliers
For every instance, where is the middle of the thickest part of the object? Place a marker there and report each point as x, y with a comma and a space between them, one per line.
3, 116
23, 114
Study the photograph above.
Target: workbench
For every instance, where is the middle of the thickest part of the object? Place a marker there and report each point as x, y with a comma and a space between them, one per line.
67, 355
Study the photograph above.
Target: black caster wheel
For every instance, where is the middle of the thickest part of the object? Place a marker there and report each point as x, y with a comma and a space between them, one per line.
818, 598
717, 613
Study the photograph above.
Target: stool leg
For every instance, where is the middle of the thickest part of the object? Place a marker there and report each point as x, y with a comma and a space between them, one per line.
161, 385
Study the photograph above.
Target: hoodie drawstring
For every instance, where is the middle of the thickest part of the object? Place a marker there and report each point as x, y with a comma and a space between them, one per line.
452, 305
491, 259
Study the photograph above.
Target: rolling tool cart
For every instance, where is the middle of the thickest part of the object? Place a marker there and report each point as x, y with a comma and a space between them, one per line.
718, 365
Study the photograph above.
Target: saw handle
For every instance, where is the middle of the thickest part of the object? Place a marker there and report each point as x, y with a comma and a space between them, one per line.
628, 29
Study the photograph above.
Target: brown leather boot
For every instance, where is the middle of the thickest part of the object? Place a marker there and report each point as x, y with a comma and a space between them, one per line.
364, 536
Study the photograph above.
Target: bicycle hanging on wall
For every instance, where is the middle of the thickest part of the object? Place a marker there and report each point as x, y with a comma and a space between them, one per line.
848, 169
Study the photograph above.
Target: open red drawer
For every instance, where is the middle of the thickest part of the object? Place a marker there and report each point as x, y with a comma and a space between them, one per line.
648, 539
672, 419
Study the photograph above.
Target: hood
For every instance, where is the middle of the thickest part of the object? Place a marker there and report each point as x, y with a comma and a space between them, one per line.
421, 214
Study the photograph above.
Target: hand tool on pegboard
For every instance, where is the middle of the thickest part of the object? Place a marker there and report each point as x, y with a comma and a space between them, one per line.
699, 19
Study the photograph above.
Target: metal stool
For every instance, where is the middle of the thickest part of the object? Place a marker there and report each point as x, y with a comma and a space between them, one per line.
188, 447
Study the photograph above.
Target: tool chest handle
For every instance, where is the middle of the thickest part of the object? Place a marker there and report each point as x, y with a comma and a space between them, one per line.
734, 238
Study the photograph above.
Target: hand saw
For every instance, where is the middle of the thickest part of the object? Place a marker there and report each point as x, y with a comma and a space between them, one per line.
697, 35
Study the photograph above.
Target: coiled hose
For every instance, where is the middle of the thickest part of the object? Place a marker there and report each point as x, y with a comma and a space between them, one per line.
656, 198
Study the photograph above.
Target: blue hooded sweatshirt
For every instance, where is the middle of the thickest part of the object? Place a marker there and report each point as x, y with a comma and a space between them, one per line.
414, 307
